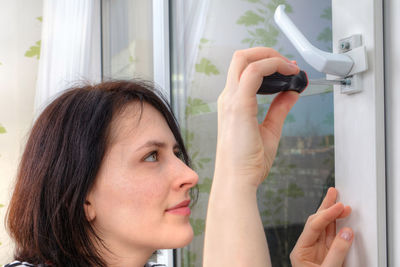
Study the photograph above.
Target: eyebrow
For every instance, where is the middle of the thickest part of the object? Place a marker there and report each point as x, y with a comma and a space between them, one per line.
155, 143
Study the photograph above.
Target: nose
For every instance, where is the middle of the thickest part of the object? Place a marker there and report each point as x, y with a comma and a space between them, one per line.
184, 177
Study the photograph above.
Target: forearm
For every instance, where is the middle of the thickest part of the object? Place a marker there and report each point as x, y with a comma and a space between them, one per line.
234, 231
245, 152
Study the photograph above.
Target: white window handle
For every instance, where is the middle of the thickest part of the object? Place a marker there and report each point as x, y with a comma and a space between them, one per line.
329, 63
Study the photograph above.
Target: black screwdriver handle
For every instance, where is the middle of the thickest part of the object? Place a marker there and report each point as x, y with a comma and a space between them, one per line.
277, 82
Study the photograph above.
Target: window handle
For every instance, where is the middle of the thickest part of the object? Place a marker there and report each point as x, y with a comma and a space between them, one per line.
341, 65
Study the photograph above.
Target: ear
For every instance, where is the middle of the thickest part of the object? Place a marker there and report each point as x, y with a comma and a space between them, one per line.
90, 211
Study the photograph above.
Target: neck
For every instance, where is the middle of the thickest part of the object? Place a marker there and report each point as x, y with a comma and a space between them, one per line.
122, 256
127, 260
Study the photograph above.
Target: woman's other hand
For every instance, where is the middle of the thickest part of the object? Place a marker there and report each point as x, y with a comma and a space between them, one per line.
319, 245
246, 148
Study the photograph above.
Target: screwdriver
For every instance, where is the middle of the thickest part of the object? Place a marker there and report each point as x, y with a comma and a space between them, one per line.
277, 82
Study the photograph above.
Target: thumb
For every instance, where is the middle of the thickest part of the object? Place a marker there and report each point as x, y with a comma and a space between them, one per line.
339, 248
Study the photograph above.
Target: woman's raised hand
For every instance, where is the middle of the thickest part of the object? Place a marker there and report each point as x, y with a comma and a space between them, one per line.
246, 147
245, 152
319, 245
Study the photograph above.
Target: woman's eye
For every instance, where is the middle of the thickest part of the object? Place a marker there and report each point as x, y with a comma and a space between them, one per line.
152, 157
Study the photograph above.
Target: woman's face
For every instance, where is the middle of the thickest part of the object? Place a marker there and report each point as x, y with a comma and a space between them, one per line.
140, 181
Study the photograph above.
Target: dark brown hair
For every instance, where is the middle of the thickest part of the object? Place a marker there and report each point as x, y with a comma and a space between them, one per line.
46, 216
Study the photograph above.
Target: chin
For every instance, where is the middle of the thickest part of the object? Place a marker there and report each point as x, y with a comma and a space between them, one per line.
187, 240
179, 238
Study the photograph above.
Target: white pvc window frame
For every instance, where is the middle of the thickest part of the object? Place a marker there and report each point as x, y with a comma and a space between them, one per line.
161, 55
161, 72
392, 109
360, 135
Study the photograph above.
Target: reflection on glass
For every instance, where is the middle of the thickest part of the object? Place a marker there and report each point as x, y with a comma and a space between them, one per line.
302, 172
204, 38
127, 39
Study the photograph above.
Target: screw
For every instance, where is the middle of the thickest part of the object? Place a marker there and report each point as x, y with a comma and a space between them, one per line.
345, 45
346, 82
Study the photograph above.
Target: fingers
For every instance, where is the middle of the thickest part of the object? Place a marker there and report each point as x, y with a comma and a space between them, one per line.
318, 223
329, 199
242, 58
252, 76
346, 212
339, 249
330, 234
331, 229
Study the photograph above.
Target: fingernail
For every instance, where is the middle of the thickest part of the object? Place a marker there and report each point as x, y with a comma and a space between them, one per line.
346, 235
293, 66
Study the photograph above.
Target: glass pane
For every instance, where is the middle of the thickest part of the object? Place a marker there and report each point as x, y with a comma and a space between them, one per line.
127, 30
204, 38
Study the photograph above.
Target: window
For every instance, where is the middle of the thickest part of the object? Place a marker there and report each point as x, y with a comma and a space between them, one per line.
328, 139
204, 37
127, 39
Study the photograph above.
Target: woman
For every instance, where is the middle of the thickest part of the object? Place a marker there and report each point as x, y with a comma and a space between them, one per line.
105, 178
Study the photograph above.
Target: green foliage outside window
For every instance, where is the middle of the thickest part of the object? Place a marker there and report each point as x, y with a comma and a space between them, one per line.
326, 34
259, 24
205, 66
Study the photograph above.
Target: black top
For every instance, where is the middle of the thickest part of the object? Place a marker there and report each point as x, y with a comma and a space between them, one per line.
27, 264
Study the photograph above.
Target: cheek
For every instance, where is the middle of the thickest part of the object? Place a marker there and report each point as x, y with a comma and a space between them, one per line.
146, 192
133, 196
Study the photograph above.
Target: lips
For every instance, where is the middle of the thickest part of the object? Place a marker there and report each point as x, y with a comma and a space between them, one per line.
180, 209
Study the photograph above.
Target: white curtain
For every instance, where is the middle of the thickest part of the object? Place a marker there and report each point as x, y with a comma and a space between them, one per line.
70, 47
195, 18
189, 23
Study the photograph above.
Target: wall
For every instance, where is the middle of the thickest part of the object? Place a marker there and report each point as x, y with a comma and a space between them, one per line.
392, 98
20, 34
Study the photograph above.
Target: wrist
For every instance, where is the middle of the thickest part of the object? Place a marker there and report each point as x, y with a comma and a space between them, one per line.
239, 173
233, 181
